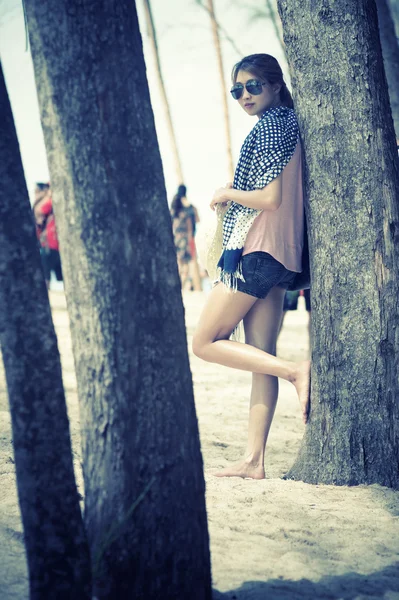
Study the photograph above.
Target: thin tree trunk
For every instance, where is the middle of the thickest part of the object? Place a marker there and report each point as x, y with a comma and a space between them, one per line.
144, 486
341, 96
153, 39
394, 6
55, 541
271, 7
390, 52
218, 49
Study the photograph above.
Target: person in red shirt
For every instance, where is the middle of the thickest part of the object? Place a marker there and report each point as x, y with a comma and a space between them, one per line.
47, 232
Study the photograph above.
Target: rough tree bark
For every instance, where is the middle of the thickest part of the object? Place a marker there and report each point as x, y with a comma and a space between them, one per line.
153, 39
390, 52
144, 487
341, 97
56, 546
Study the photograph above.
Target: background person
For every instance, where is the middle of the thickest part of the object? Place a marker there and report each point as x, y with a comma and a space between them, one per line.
182, 225
47, 232
194, 270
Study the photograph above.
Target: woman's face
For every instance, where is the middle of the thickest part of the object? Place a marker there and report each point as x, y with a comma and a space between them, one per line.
257, 104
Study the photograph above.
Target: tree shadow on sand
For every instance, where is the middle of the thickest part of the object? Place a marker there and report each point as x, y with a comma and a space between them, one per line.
345, 587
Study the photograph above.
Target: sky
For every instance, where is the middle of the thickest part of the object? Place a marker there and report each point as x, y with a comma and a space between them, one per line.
191, 77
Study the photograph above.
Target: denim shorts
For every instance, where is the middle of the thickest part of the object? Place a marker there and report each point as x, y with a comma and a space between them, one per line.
262, 272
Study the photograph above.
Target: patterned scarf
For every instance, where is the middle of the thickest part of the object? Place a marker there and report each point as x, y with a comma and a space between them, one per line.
265, 152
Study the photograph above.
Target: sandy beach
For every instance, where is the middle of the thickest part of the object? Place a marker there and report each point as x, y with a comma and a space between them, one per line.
270, 539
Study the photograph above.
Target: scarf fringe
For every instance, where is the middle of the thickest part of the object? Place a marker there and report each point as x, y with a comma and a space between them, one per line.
230, 280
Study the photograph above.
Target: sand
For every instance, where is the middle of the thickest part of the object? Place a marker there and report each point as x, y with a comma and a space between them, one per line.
271, 539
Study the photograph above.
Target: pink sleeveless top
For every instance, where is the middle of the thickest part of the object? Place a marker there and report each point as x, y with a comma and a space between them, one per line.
280, 232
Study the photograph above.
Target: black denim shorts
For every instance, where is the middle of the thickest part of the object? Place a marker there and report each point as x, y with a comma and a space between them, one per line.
262, 272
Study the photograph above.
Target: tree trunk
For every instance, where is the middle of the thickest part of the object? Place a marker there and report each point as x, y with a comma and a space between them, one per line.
218, 49
55, 541
342, 102
153, 39
144, 506
390, 52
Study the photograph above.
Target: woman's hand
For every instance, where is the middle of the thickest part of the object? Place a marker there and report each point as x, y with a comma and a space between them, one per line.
221, 196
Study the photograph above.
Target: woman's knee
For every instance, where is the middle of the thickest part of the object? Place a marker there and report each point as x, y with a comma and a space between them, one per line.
199, 346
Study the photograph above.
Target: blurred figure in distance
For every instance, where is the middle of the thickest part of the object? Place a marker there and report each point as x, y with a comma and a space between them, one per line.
47, 232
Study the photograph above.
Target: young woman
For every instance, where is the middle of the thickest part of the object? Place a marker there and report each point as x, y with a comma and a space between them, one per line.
262, 250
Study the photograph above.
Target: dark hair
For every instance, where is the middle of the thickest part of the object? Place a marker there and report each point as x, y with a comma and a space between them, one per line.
267, 69
42, 186
177, 204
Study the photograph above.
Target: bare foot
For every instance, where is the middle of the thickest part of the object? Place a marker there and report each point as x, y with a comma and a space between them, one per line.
244, 469
301, 382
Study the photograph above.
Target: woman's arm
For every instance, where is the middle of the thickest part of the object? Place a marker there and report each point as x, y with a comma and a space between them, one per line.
267, 198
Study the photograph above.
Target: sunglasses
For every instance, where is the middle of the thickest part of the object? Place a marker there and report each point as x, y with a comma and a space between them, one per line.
253, 87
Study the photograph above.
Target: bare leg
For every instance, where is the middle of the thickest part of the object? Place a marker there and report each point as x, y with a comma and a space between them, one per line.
183, 272
195, 274
222, 312
282, 321
261, 329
